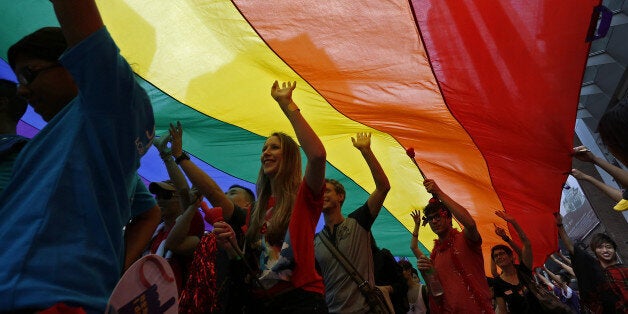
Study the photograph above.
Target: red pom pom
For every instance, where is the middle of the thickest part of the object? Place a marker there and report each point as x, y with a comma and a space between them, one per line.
213, 215
410, 152
200, 294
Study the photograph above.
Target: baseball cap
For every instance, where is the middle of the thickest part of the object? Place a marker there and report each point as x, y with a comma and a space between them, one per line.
159, 186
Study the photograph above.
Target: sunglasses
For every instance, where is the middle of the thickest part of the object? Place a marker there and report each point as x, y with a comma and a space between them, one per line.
166, 195
27, 76
436, 217
497, 254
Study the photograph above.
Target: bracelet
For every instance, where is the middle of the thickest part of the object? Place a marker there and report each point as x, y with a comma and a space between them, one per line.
292, 107
559, 225
182, 157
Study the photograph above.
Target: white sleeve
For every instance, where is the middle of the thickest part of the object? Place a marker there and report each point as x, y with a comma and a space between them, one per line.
567, 293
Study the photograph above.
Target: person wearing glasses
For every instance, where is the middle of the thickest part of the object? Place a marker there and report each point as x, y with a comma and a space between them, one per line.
178, 253
456, 257
511, 292
70, 196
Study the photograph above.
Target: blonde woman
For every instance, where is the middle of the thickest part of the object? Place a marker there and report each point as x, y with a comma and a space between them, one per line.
283, 222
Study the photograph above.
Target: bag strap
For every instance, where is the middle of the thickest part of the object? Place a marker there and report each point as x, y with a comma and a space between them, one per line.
363, 285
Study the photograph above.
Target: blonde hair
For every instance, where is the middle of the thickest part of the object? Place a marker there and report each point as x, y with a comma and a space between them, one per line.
287, 181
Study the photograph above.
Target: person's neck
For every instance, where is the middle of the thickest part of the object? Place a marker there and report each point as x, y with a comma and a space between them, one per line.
445, 233
411, 283
509, 270
272, 186
607, 264
333, 217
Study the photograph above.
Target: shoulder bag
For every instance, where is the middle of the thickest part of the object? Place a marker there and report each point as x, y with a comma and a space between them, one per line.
373, 295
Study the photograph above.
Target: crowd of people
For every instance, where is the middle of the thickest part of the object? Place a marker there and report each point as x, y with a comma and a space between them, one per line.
76, 214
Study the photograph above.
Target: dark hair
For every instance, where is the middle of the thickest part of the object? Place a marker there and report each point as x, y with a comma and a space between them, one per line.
599, 239
46, 43
613, 129
506, 249
435, 205
405, 264
414, 271
16, 104
248, 191
338, 188
491, 281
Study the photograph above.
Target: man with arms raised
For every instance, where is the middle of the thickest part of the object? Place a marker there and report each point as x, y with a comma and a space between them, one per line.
350, 235
456, 256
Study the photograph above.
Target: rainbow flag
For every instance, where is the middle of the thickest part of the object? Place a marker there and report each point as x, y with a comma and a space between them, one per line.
485, 92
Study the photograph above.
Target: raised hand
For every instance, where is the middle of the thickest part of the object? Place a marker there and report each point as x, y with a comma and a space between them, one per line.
176, 135
503, 215
583, 153
283, 95
416, 216
161, 144
500, 231
431, 187
362, 141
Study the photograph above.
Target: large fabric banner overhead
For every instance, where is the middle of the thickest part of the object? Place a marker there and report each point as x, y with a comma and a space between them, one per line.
485, 92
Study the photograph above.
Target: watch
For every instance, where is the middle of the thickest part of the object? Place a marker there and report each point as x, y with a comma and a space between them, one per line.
182, 157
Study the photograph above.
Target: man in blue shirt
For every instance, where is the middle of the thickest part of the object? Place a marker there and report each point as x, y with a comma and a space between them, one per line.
73, 184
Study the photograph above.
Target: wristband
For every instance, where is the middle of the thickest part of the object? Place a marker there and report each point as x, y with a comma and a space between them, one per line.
184, 156
559, 225
292, 107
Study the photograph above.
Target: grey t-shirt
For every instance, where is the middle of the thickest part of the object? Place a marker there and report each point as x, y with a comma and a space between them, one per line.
352, 238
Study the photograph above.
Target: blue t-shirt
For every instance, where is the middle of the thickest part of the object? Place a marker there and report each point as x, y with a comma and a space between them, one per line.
64, 209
